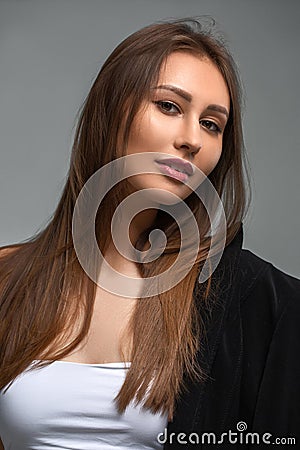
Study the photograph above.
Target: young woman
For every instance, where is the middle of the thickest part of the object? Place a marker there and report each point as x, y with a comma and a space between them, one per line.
91, 362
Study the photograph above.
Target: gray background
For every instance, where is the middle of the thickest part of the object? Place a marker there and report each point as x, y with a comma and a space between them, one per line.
50, 52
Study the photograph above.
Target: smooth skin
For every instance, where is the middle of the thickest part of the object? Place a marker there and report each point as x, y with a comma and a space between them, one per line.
179, 119
185, 117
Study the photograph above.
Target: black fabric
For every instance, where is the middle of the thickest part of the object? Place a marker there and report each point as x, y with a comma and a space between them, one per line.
252, 358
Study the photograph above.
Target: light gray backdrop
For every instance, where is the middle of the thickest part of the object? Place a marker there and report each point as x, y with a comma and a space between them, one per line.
50, 52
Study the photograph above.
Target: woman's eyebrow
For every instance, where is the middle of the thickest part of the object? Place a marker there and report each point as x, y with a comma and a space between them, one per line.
219, 109
187, 96
177, 90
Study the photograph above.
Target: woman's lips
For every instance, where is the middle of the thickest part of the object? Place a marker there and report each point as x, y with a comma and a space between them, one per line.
175, 168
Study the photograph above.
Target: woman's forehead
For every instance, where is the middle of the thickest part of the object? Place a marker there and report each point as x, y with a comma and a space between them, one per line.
195, 74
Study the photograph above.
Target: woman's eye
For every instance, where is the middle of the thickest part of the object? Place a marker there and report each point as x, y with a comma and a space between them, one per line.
168, 107
211, 126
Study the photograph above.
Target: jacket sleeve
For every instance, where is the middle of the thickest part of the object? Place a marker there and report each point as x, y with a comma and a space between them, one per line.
277, 404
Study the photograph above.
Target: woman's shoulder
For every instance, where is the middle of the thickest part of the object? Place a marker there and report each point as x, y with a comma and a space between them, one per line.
266, 287
267, 329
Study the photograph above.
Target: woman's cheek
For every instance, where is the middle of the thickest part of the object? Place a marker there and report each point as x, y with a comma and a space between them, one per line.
215, 159
208, 161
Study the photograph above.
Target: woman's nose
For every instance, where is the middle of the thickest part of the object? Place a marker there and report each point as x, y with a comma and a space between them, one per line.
189, 137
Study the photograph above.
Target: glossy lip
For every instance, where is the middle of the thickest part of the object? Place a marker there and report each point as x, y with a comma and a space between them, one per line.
173, 173
177, 163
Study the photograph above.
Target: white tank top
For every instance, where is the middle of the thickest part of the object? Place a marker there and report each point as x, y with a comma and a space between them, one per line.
69, 405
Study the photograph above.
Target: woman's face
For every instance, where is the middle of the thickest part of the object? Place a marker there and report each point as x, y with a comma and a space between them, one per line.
185, 118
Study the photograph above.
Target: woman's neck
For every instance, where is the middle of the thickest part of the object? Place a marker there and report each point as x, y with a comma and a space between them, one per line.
139, 223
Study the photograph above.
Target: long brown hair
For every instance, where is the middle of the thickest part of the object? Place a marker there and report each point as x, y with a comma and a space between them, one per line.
40, 276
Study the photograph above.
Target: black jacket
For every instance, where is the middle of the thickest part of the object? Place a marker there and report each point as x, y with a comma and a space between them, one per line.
252, 358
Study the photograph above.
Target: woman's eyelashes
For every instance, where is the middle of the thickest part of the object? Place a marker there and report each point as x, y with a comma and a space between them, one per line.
211, 126
168, 107
171, 108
